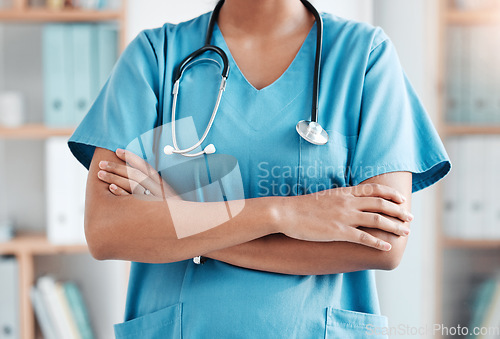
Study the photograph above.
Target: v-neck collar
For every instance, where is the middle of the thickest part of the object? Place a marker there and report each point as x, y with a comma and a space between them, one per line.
244, 98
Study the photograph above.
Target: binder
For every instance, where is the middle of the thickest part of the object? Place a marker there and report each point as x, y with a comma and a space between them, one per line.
454, 70
496, 73
481, 82
79, 310
42, 314
492, 317
66, 182
9, 298
494, 188
452, 190
489, 186
81, 43
67, 316
47, 287
57, 68
481, 304
474, 180
467, 77
107, 46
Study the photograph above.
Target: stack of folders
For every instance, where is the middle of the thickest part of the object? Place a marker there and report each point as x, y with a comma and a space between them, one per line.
77, 60
473, 74
66, 180
9, 298
471, 203
486, 310
60, 310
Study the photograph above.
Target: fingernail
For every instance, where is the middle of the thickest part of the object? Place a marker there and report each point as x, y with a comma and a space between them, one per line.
387, 246
113, 187
120, 151
101, 174
103, 164
406, 231
403, 198
410, 217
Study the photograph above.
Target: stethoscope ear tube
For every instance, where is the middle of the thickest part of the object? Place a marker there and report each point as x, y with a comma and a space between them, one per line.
317, 62
197, 53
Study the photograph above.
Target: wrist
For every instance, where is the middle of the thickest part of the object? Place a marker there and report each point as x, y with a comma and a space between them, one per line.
277, 212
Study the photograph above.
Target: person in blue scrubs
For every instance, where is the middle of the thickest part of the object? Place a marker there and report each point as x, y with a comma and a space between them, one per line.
296, 259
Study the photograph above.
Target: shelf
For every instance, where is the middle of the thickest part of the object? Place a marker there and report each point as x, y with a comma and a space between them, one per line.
471, 243
38, 244
473, 17
34, 131
66, 15
464, 129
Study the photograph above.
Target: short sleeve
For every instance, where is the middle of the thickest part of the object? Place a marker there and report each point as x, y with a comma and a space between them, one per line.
395, 131
125, 108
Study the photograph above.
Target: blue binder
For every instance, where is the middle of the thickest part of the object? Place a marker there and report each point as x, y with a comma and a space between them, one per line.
57, 72
81, 42
9, 298
107, 46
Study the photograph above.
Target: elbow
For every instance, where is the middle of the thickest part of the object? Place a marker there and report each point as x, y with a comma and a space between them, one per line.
390, 262
391, 259
98, 243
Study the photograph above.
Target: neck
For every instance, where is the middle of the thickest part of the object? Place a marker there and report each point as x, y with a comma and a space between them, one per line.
268, 17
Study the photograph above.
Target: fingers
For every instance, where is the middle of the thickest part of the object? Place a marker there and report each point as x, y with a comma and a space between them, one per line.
125, 184
380, 205
118, 191
363, 238
375, 220
130, 173
137, 162
380, 191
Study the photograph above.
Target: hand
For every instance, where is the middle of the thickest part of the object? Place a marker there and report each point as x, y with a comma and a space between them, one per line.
337, 214
134, 176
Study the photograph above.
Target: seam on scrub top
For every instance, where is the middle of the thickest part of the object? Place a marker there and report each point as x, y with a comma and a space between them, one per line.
379, 44
152, 46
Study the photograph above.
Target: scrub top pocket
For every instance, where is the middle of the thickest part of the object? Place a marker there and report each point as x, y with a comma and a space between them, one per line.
165, 323
354, 325
324, 167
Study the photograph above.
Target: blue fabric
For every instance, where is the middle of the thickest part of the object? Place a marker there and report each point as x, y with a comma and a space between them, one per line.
376, 125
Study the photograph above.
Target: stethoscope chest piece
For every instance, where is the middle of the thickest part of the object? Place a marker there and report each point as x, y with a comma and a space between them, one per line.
313, 132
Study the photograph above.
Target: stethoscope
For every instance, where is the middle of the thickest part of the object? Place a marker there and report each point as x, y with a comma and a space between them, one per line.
309, 130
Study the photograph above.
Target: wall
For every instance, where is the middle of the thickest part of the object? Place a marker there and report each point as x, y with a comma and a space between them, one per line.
361, 10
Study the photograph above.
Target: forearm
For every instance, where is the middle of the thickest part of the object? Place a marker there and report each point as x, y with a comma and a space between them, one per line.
280, 254
145, 232
129, 228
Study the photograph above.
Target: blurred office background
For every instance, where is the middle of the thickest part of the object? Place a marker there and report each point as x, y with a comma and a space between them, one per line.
449, 50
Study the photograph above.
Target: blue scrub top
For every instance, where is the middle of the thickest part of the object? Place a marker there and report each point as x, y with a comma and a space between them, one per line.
376, 125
